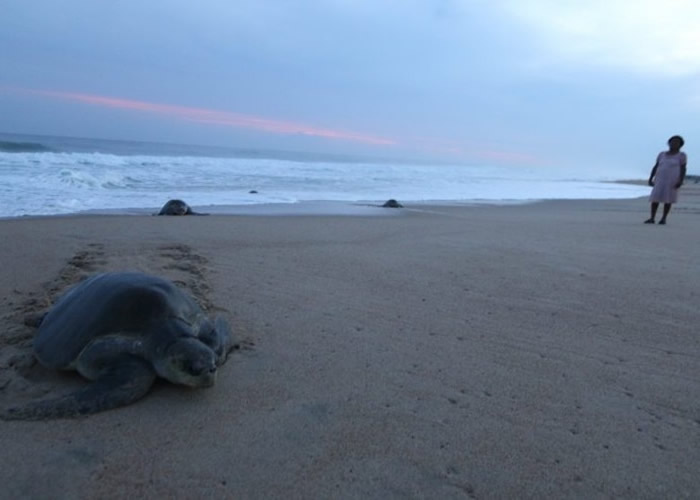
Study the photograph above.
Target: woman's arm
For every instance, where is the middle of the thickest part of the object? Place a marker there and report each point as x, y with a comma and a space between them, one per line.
682, 177
653, 173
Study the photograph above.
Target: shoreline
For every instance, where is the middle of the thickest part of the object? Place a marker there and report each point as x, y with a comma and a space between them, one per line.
320, 207
539, 350
308, 208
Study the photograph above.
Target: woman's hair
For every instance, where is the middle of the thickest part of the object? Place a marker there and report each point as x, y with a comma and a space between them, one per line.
677, 137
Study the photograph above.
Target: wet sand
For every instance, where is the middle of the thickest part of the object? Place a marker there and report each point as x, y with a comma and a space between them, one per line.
531, 351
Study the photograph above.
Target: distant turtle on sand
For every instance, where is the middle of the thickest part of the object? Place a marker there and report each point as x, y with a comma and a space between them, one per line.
177, 207
392, 203
121, 331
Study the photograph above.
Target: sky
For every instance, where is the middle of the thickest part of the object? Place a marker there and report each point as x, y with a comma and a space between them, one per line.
590, 84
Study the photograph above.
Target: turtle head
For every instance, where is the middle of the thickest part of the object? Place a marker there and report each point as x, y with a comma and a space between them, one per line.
188, 362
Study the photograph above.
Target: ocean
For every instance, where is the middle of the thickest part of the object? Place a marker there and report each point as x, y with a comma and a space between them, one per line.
42, 175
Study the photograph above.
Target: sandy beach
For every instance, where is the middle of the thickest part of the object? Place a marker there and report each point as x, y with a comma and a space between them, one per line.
549, 350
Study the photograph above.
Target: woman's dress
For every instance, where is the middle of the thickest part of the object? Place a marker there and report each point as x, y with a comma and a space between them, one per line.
668, 173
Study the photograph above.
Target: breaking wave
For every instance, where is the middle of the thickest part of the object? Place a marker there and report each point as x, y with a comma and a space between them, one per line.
23, 147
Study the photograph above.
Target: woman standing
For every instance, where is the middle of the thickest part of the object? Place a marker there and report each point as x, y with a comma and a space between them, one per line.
666, 177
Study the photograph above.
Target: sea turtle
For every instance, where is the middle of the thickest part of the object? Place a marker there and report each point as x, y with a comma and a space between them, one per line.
392, 203
121, 331
177, 207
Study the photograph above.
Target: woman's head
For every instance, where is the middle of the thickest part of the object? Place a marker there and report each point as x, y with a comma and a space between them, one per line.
676, 142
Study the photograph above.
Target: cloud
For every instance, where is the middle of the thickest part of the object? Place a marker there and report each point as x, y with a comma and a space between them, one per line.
447, 149
214, 117
658, 37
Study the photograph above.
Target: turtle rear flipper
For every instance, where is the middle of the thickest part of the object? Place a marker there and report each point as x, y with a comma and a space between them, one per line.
127, 381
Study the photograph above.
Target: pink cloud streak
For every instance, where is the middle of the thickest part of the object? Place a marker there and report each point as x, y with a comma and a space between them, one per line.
442, 147
214, 117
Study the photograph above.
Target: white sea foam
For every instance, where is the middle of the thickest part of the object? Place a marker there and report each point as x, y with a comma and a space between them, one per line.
35, 183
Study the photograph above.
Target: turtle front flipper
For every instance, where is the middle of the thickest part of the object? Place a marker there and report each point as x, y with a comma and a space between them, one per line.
34, 319
126, 380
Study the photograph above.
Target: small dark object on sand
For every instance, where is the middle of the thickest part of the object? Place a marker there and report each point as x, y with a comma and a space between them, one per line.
177, 207
392, 203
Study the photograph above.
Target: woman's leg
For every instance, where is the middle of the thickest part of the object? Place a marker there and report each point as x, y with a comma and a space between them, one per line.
667, 209
654, 208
